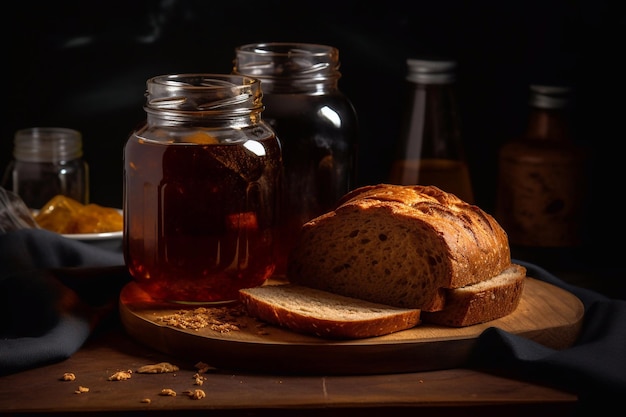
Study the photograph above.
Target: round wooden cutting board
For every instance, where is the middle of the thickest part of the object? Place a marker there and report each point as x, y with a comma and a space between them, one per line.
546, 314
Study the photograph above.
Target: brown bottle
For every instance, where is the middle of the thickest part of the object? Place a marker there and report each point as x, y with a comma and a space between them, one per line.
543, 179
430, 151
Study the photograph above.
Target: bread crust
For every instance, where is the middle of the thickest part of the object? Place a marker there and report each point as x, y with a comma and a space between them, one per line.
482, 302
399, 245
327, 315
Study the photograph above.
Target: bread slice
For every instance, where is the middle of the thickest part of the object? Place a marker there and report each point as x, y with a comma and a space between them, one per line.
478, 303
399, 245
307, 310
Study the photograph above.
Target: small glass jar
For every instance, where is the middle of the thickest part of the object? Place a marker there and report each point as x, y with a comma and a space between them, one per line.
47, 161
316, 124
201, 184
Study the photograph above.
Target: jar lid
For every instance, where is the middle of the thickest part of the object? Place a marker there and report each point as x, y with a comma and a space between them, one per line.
47, 144
431, 71
550, 96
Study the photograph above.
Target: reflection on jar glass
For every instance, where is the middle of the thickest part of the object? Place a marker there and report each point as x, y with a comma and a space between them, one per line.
201, 181
316, 124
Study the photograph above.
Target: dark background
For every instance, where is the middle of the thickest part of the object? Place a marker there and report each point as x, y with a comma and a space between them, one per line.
84, 65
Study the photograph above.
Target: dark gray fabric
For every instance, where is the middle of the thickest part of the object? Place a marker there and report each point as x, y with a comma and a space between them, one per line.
593, 368
53, 292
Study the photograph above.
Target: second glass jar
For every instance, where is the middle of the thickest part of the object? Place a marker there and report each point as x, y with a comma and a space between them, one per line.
201, 183
315, 123
48, 161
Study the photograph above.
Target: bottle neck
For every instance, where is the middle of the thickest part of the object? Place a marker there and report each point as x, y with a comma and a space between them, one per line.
549, 113
548, 124
431, 126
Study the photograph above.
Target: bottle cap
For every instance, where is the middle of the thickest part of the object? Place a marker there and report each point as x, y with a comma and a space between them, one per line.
47, 144
431, 71
549, 96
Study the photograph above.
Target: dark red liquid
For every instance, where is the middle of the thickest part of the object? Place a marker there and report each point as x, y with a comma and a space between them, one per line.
199, 219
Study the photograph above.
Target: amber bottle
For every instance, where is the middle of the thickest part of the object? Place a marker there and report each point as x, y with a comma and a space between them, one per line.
543, 179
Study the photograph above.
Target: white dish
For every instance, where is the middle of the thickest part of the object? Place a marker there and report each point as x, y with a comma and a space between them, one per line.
94, 236
107, 240
111, 241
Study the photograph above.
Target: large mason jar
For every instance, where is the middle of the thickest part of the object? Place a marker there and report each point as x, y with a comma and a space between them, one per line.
315, 122
201, 184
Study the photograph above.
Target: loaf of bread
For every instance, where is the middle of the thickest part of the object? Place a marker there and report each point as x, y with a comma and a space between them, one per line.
403, 246
307, 310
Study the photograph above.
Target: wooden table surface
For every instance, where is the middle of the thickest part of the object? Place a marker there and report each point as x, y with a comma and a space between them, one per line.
454, 392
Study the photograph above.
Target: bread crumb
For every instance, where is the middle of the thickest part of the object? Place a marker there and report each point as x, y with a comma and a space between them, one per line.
157, 368
68, 376
196, 394
219, 319
146, 400
81, 390
199, 379
167, 392
121, 375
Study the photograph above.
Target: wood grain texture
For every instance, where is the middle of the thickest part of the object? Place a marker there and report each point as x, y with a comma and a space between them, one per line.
546, 314
454, 392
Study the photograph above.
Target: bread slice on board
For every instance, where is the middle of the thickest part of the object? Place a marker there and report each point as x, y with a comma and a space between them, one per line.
316, 312
478, 303
399, 245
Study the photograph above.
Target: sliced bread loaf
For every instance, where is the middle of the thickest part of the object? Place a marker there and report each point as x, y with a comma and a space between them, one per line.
307, 310
399, 245
485, 301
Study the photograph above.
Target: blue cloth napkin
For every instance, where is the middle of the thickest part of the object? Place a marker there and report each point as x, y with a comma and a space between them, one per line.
53, 292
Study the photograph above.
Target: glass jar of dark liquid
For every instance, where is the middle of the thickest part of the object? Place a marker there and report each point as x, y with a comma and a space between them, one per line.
201, 183
315, 122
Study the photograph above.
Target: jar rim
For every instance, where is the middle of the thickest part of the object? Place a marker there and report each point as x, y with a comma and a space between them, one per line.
287, 49
203, 92
47, 144
305, 63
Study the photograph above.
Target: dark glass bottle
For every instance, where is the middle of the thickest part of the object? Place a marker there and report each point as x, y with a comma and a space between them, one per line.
430, 150
543, 180
315, 123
